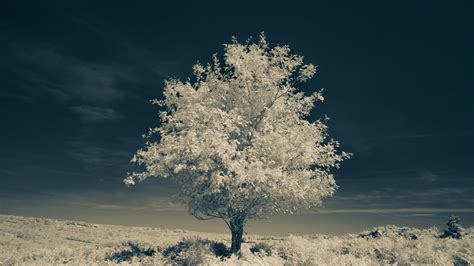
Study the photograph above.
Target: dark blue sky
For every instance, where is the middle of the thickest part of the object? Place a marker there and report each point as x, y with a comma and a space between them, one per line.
76, 78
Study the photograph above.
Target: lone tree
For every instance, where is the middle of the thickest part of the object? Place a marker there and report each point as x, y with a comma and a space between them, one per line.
454, 230
235, 139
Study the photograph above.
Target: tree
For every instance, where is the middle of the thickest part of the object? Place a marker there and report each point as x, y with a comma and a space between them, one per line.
236, 140
454, 230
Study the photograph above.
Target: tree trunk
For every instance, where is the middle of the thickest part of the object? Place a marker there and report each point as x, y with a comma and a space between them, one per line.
237, 229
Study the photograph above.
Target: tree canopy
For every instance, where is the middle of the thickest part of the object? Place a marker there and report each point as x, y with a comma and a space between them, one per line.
236, 138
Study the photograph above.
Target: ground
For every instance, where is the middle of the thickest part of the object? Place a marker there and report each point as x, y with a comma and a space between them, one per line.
42, 241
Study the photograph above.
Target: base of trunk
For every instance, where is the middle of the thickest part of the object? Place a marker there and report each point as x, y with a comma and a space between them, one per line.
237, 230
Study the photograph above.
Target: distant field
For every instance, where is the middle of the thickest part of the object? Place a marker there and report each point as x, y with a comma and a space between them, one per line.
46, 241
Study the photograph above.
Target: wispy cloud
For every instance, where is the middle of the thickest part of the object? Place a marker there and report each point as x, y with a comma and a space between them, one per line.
95, 114
397, 210
399, 197
45, 70
156, 205
98, 155
107, 200
90, 82
440, 192
117, 207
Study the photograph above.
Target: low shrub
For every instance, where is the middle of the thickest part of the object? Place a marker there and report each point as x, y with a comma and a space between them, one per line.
261, 248
220, 249
134, 250
192, 251
173, 251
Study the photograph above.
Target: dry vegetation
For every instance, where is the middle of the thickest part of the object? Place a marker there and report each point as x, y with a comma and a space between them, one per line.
46, 241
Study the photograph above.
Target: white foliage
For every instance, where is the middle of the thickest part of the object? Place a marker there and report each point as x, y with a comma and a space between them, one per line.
237, 140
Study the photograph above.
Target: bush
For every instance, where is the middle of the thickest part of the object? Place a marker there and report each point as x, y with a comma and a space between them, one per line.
390, 231
174, 251
192, 251
460, 261
261, 248
134, 251
220, 249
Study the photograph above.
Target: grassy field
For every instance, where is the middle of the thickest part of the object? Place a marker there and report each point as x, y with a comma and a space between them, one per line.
43, 241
